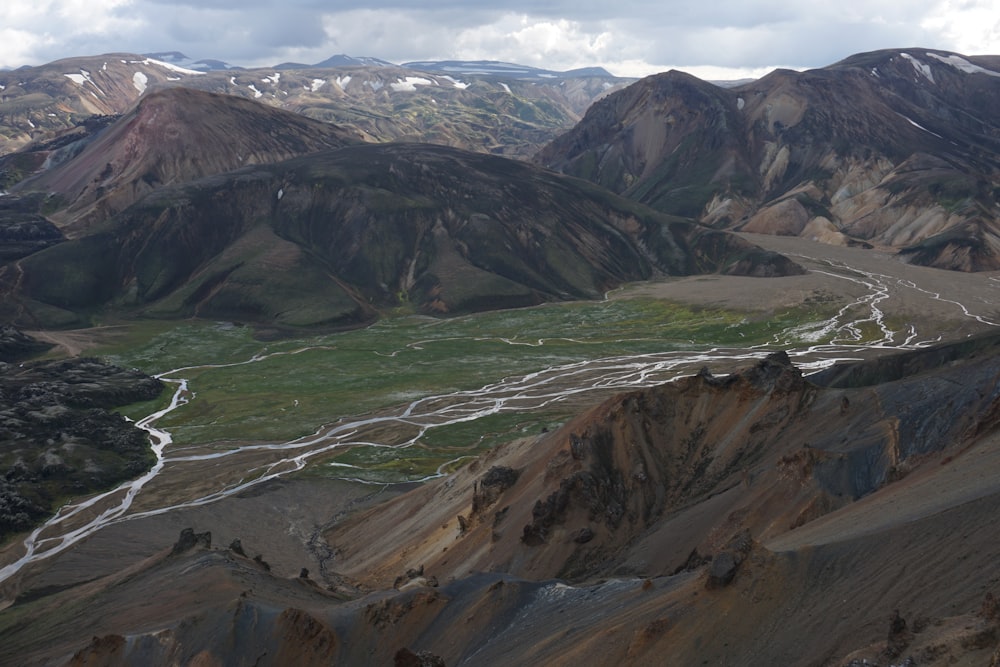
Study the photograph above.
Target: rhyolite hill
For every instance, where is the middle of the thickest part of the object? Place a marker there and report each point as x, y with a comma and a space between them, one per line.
897, 149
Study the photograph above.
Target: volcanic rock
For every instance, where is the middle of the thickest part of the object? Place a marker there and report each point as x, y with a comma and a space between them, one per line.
58, 437
189, 539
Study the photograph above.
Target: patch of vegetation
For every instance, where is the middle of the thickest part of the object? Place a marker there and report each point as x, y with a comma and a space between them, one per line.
298, 385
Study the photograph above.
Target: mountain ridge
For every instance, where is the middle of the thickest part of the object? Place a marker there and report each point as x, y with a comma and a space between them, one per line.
322, 239
886, 148
384, 101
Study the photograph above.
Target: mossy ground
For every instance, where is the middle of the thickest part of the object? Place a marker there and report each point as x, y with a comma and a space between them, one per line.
306, 383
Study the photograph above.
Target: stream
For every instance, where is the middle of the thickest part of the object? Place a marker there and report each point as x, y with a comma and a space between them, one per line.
403, 426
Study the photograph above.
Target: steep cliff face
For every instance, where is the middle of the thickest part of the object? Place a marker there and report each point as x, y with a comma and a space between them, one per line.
326, 239
891, 148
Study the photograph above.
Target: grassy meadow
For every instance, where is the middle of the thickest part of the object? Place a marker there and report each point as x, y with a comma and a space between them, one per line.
301, 384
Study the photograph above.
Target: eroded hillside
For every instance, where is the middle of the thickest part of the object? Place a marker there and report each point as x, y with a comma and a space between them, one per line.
892, 148
756, 517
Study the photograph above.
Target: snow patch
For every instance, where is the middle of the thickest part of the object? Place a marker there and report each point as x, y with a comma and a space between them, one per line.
232, 81
342, 81
921, 127
875, 72
921, 67
455, 82
273, 79
317, 84
139, 80
507, 88
410, 83
375, 85
962, 64
740, 103
104, 67
281, 193
2, 86
256, 93
80, 78
172, 68
31, 124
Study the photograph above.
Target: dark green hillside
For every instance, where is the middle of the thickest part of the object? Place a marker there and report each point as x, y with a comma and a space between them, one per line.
328, 239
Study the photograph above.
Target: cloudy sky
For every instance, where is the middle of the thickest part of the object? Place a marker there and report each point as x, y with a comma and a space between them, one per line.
719, 39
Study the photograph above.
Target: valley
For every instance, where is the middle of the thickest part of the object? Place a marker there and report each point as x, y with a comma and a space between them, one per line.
333, 407
471, 363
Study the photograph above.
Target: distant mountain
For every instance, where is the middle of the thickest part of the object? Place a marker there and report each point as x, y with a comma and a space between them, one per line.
35, 101
896, 148
173, 135
504, 115
343, 60
326, 239
495, 68
180, 60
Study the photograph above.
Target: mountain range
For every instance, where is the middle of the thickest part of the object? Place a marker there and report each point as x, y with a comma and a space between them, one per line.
489, 107
757, 513
157, 221
895, 149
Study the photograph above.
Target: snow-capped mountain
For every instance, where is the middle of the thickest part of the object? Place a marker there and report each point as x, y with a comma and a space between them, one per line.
497, 68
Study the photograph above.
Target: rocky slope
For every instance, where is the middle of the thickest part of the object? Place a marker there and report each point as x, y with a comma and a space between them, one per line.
625, 487
895, 148
326, 239
58, 436
727, 520
481, 111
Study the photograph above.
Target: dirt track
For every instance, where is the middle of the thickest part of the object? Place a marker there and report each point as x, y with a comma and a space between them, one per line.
75, 342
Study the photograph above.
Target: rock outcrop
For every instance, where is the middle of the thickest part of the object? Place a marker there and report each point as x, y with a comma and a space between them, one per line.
59, 438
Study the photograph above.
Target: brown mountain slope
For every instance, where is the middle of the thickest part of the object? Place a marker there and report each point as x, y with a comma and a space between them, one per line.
640, 483
325, 239
758, 518
171, 136
892, 148
61, 94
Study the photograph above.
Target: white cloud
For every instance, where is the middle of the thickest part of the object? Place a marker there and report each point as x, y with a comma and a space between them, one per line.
969, 27
629, 37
